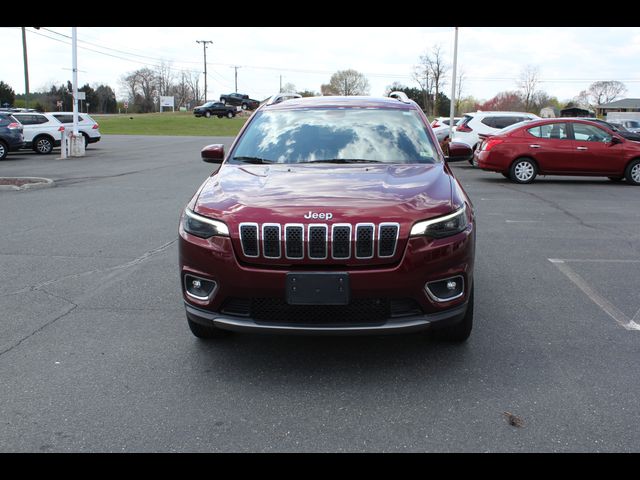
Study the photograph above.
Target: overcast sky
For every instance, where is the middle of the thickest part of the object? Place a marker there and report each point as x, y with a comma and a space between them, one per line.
569, 59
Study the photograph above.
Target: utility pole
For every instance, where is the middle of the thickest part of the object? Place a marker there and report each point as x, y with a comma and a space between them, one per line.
280, 84
452, 109
204, 45
236, 69
26, 68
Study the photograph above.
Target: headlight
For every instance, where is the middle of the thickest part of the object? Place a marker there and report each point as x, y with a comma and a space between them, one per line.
442, 227
203, 227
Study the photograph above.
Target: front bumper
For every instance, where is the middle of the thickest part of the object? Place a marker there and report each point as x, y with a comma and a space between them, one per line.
410, 324
423, 260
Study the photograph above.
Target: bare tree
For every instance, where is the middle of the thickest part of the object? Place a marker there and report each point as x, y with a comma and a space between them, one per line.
288, 88
346, 82
181, 90
193, 80
459, 91
164, 78
528, 83
422, 76
439, 71
430, 73
606, 91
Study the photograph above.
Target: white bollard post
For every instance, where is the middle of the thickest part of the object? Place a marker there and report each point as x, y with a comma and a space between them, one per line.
64, 147
77, 145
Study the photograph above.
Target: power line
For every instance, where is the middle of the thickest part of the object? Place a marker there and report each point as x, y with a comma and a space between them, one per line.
286, 69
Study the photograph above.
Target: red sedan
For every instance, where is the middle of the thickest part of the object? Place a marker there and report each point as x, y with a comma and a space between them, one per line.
560, 146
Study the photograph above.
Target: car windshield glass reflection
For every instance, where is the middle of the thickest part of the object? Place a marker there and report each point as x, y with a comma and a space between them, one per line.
353, 135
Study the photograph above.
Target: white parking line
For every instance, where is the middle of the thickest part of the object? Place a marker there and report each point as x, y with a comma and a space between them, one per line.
603, 303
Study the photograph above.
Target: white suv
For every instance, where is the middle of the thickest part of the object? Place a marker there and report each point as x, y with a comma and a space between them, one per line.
41, 131
87, 126
486, 123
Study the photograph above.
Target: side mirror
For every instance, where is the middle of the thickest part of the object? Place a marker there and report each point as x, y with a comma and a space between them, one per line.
213, 154
616, 140
459, 152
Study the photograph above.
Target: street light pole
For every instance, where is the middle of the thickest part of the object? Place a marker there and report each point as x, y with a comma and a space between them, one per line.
26, 68
204, 45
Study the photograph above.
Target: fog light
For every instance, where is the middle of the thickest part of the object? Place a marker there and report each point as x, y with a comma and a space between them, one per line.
199, 288
445, 290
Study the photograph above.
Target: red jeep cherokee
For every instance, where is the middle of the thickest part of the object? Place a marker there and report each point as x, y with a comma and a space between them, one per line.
330, 215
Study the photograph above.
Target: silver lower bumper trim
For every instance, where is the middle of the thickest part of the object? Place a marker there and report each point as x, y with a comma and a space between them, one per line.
395, 325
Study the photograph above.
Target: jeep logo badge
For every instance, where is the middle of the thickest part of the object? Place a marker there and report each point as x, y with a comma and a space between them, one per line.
322, 216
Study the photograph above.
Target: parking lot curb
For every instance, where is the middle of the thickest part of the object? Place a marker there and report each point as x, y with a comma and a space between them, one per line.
34, 183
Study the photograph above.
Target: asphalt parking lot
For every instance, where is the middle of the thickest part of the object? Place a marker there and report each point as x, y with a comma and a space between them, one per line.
96, 355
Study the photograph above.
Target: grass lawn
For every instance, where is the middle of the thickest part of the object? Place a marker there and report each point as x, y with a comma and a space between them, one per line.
169, 123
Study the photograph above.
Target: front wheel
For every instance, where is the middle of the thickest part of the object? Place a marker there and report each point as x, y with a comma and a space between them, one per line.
632, 172
207, 114
230, 115
523, 170
244, 106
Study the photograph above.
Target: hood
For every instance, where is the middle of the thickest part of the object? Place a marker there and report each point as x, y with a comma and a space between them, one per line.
326, 195
285, 193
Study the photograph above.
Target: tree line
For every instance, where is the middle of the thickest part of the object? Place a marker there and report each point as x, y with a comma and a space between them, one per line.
144, 86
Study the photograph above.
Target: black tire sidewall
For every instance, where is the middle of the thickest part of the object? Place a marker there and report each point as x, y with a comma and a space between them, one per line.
35, 145
627, 172
4, 150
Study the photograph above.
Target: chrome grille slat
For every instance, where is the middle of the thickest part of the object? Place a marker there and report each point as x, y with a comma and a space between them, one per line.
345, 241
294, 241
249, 239
271, 240
318, 238
365, 234
387, 239
341, 241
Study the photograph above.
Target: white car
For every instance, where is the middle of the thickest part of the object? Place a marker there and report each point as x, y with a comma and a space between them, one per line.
87, 126
440, 126
41, 131
486, 123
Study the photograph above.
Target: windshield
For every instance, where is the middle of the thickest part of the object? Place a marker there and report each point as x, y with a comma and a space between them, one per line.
336, 135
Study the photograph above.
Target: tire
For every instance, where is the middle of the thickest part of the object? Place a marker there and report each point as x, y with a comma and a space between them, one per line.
459, 332
475, 147
207, 114
632, 172
523, 170
244, 106
230, 115
86, 140
43, 145
3, 150
206, 332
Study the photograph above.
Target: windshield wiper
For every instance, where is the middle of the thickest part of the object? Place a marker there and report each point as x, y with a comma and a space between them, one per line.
343, 160
255, 160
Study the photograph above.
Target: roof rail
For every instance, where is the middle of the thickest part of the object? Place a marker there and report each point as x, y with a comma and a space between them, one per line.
281, 97
400, 96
